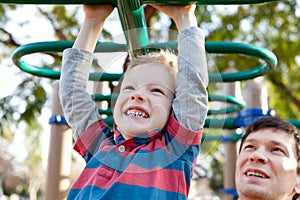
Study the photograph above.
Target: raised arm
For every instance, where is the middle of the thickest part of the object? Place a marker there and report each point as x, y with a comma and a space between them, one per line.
89, 33
79, 109
190, 103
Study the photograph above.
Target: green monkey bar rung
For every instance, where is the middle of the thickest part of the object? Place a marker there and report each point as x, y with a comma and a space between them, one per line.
238, 104
269, 58
115, 2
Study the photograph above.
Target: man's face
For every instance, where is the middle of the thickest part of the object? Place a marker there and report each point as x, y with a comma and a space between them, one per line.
267, 166
145, 99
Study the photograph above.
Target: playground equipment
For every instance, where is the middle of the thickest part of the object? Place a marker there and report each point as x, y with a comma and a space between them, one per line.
133, 24
135, 30
267, 56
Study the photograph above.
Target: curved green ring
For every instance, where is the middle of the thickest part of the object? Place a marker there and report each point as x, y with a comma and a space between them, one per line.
211, 47
238, 104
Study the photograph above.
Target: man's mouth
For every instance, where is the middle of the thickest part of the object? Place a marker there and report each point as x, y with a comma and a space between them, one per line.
137, 113
256, 174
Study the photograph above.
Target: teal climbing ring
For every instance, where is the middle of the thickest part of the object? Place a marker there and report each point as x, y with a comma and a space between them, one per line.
269, 58
238, 104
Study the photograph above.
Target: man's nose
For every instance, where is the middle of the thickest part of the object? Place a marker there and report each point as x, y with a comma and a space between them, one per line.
258, 156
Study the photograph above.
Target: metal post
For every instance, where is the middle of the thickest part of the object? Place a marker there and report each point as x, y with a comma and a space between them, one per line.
60, 154
233, 89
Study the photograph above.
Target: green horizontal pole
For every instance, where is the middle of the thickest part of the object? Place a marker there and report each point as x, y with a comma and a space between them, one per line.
101, 97
115, 2
238, 104
108, 111
223, 123
211, 47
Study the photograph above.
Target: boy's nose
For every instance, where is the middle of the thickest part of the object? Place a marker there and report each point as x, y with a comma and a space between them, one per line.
137, 98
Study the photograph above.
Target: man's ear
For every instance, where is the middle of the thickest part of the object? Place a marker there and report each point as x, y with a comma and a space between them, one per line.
297, 186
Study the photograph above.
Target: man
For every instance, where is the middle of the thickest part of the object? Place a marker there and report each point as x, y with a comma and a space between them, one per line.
268, 164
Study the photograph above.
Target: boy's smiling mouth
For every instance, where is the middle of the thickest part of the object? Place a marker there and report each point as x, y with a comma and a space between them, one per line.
137, 112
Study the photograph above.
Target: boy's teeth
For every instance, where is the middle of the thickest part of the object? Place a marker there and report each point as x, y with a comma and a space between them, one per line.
137, 114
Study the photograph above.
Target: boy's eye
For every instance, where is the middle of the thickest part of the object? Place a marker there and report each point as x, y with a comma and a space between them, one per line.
157, 90
128, 88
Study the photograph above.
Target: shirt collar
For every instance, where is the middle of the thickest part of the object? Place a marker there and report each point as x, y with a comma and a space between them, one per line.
144, 138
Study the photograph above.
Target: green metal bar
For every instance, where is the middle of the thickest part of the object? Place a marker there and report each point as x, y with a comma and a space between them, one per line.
169, 2
211, 47
223, 123
102, 76
101, 97
238, 104
56, 46
108, 111
109, 121
134, 26
234, 137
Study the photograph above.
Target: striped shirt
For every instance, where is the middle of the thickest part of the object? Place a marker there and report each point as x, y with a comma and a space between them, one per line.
155, 167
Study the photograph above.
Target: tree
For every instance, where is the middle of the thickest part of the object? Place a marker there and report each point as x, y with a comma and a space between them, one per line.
273, 26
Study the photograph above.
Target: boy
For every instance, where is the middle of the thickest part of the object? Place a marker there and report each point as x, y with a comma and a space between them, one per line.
268, 166
159, 115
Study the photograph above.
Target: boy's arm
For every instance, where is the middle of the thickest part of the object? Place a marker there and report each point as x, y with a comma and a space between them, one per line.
79, 110
89, 33
190, 103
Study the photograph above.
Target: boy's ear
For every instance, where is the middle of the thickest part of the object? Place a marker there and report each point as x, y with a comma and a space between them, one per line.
297, 186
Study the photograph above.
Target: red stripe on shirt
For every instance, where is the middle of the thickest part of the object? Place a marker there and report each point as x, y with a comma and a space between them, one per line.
101, 177
182, 134
165, 179
88, 137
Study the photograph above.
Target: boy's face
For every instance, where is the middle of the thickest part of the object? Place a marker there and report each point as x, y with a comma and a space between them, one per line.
266, 167
145, 99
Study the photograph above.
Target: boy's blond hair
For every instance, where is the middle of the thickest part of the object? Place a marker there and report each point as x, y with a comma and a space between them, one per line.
164, 57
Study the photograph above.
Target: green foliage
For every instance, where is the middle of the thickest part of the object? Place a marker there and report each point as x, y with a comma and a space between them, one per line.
3, 9
24, 105
216, 168
273, 26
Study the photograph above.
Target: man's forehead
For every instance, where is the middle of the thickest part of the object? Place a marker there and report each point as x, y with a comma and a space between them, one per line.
271, 135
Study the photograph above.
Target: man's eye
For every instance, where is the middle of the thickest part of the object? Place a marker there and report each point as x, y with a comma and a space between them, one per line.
248, 146
277, 149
